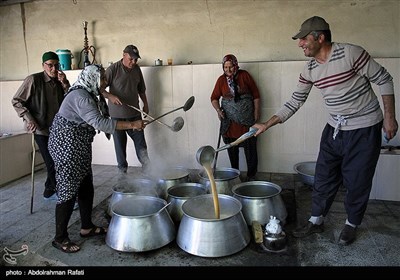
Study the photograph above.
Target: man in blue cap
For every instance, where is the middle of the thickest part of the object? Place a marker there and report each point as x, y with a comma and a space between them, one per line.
37, 101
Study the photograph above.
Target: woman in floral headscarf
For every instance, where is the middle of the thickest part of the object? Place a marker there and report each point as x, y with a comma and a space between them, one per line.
238, 111
83, 111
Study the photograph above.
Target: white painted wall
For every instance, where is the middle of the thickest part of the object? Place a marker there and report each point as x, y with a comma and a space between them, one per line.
168, 87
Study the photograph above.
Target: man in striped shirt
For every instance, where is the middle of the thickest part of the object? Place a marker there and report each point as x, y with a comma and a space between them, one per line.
351, 140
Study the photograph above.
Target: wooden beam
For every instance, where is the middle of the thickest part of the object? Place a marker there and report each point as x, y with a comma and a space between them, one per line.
13, 2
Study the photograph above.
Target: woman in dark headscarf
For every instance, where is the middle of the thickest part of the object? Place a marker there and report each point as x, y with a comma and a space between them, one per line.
238, 111
82, 112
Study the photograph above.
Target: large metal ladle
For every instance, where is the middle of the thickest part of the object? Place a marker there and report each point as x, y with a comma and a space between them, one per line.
206, 154
188, 104
177, 124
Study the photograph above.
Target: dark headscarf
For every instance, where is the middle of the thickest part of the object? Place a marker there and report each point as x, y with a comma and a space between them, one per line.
232, 80
241, 108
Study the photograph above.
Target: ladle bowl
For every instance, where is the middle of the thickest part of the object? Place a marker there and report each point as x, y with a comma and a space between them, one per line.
188, 104
177, 124
205, 155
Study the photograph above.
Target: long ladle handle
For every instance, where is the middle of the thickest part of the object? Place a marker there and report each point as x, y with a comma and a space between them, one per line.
147, 115
143, 112
188, 104
155, 119
165, 206
242, 138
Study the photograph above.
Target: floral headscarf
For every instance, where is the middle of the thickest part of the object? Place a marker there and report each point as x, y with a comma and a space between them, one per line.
232, 80
89, 80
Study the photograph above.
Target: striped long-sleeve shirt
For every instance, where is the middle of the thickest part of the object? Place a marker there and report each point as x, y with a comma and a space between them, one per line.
345, 84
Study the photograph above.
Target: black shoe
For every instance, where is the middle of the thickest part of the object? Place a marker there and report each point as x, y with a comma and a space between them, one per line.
122, 170
48, 193
348, 235
308, 229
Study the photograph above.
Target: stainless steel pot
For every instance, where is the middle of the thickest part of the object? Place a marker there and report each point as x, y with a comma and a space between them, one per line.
306, 171
140, 223
225, 179
178, 194
169, 178
201, 234
131, 187
260, 200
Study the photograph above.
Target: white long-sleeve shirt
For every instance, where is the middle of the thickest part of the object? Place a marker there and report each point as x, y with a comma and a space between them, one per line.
345, 84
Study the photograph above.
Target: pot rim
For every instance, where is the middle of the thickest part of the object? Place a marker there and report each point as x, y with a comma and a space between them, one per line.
265, 183
224, 196
303, 164
184, 171
146, 181
182, 185
203, 174
139, 197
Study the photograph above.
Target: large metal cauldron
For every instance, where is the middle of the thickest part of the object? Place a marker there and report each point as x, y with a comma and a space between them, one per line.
225, 179
171, 177
260, 200
178, 194
201, 234
140, 223
131, 187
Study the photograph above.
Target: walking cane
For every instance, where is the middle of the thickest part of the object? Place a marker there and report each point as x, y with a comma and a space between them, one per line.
33, 170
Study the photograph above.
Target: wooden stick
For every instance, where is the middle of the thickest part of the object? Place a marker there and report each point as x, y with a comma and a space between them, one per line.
33, 170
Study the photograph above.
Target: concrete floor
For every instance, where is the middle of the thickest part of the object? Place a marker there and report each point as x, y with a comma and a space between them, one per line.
377, 244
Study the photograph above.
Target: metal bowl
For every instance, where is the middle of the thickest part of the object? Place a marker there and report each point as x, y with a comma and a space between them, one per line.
306, 171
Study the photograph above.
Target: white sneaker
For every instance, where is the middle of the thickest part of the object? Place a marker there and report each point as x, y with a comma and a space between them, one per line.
53, 197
